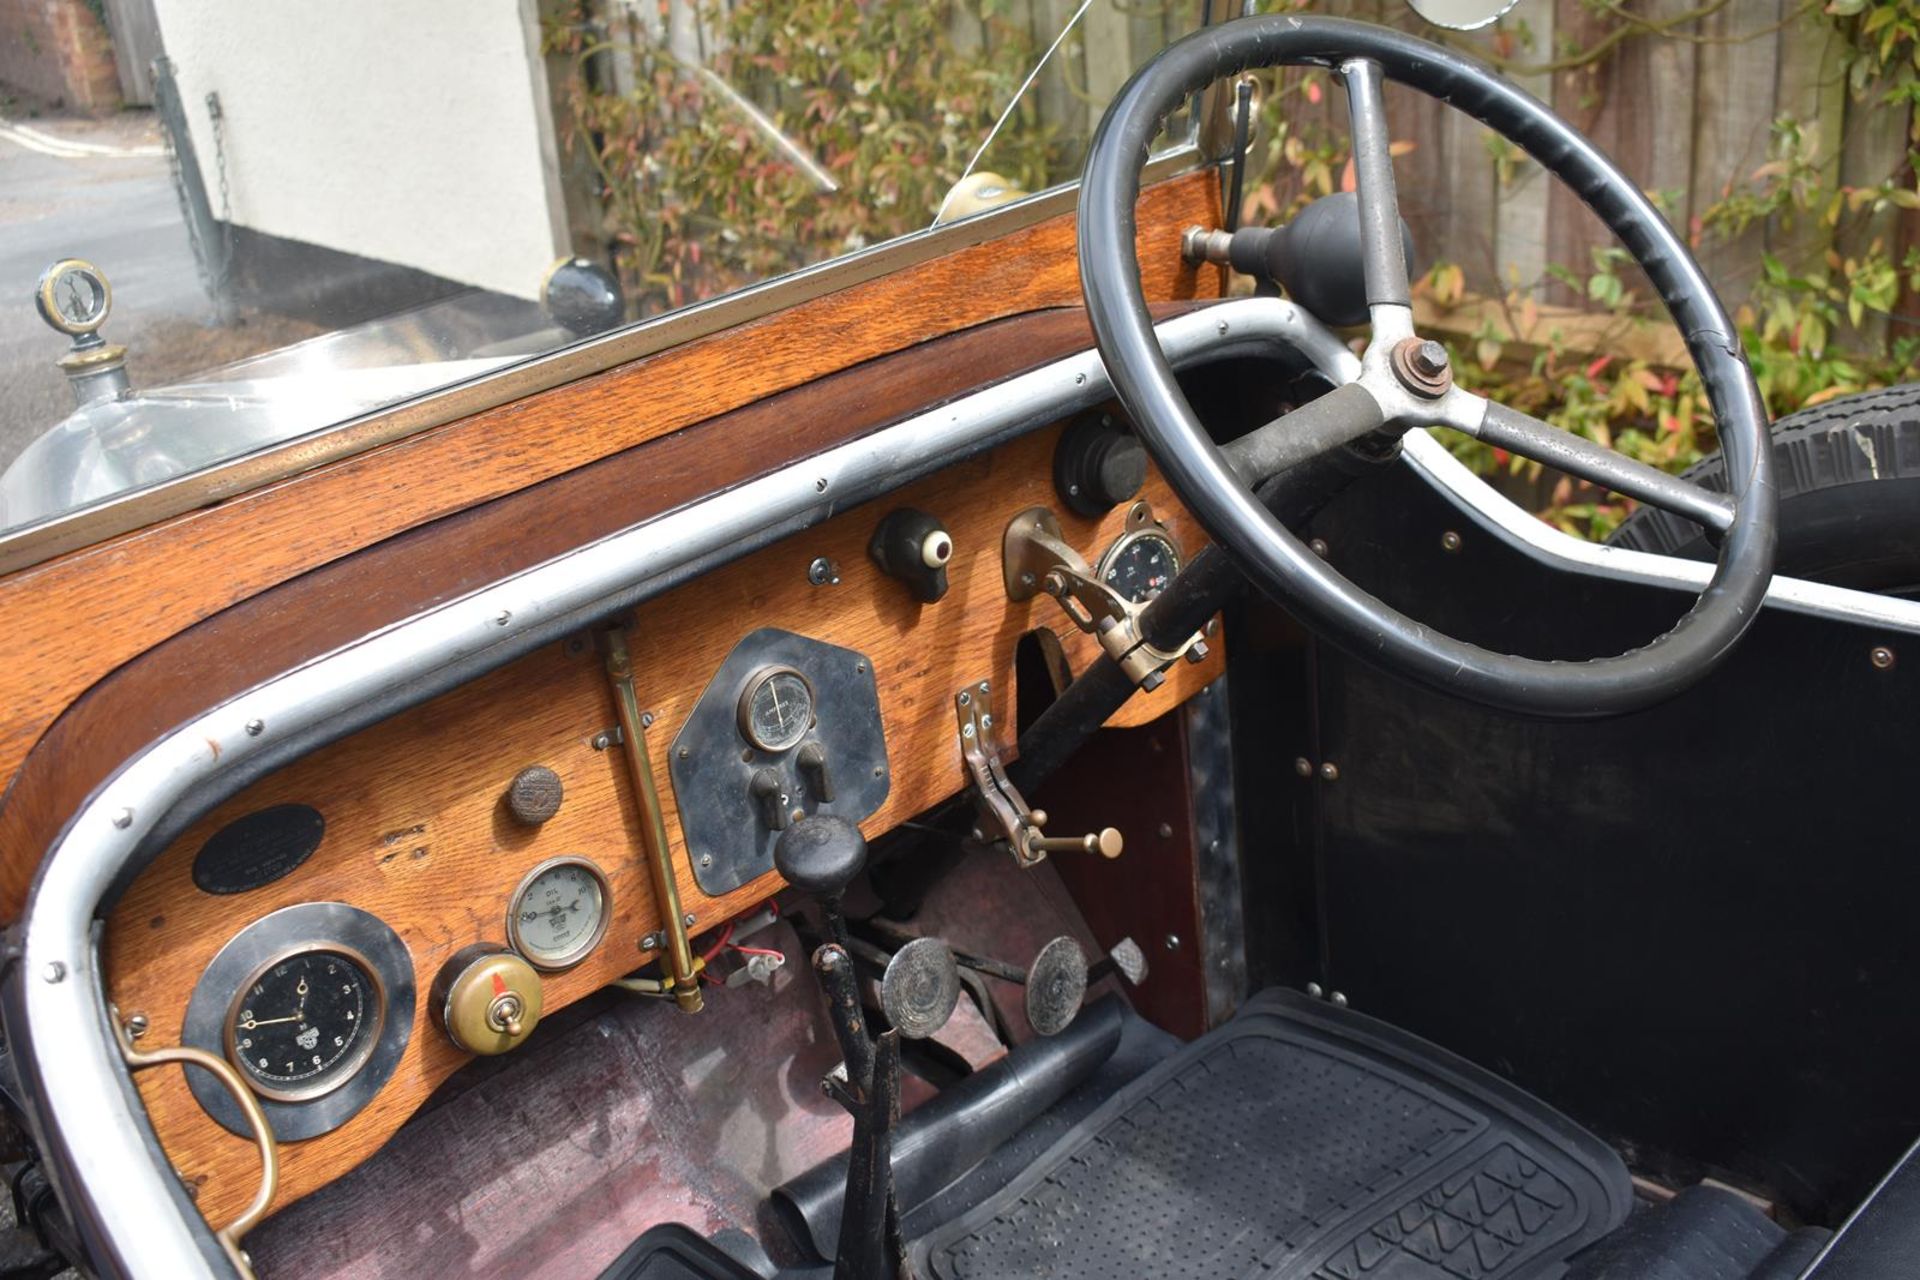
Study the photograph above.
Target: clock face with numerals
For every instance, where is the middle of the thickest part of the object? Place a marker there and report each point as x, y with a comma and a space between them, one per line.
74, 297
305, 1024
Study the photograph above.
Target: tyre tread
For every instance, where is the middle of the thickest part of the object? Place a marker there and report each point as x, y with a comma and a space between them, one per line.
1857, 439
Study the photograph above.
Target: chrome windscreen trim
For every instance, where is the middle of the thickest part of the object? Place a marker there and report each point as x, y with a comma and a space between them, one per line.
137, 508
1550, 546
103, 1154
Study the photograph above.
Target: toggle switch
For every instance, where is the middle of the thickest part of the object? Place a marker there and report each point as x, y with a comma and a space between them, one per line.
813, 771
487, 999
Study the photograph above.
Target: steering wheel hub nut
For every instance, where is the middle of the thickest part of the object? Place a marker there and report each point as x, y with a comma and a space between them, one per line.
1422, 366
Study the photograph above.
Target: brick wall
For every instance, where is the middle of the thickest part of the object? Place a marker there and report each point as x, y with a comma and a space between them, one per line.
58, 51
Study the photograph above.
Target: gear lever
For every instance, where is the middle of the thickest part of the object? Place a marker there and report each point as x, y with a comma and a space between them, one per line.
820, 855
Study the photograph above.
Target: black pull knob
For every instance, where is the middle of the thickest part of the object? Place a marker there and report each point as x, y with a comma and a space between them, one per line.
769, 795
820, 854
914, 547
1098, 465
813, 771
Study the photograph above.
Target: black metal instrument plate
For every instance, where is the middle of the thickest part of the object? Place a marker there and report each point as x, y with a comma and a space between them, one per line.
712, 765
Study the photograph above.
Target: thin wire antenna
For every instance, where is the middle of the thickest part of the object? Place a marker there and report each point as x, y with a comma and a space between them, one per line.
1005, 115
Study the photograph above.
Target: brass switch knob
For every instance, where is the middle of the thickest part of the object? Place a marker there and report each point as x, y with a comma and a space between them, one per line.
487, 999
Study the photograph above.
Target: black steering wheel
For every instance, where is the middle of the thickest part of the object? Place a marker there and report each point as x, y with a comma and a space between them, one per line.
1405, 382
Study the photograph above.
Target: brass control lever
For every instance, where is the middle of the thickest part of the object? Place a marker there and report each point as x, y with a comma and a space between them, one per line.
1107, 842
1003, 809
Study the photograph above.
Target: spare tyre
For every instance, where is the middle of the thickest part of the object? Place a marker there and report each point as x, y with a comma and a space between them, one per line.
1849, 476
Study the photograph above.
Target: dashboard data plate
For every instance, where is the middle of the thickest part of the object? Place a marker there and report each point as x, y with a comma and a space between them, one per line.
713, 766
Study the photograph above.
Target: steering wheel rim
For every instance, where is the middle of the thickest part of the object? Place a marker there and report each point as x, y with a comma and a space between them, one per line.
1278, 562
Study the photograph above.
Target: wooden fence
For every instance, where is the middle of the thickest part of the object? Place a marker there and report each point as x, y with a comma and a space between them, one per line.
1689, 116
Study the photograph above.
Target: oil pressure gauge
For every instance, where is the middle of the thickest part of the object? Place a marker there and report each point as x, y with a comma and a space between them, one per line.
559, 913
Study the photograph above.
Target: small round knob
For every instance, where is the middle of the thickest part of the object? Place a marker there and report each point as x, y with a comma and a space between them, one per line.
534, 795
486, 999
820, 854
583, 297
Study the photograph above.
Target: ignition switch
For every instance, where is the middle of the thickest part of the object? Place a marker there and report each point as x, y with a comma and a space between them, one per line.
486, 998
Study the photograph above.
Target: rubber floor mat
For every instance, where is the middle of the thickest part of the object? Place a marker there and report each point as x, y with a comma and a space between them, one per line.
1300, 1142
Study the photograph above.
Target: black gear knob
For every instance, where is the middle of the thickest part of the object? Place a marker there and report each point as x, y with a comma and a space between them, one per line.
820, 855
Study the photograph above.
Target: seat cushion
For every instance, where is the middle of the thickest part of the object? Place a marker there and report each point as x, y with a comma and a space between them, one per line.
1704, 1233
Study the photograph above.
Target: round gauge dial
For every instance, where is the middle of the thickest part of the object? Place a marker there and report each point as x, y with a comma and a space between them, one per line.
559, 913
1140, 565
776, 708
74, 296
304, 1024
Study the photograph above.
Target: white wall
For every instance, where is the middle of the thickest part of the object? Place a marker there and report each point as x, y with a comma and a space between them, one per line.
411, 131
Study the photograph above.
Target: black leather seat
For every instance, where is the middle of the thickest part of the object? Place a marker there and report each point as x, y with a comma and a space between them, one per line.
1881, 1241
1704, 1233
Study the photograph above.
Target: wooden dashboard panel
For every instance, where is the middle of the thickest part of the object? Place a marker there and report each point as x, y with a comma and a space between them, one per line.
74, 620
416, 833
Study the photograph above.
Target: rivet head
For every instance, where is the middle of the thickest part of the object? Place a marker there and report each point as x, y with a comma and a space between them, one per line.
1319, 547
1330, 772
1315, 990
54, 972
1882, 658
256, 727
1166, 831
1303, 767
1339, 998
1173, 942
1449, 541
123, 819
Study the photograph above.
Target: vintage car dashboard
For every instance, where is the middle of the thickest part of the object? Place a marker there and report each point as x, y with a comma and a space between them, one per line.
345, 930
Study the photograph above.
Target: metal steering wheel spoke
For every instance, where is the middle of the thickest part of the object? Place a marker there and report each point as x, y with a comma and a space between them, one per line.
1504, 428
1383, 254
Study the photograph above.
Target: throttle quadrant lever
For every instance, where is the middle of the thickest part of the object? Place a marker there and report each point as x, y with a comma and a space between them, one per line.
820, 856
1003, 810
